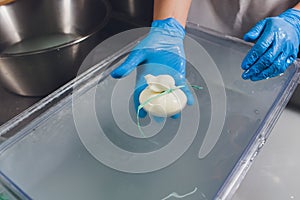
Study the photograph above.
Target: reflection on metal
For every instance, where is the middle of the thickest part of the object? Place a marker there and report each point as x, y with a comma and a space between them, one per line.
67, 16
131, 7
39, 71
7, 20
7, 72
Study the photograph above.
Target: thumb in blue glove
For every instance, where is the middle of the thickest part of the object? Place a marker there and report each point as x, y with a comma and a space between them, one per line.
161, 52
277, 44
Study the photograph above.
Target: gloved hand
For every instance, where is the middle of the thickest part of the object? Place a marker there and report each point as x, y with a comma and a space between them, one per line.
277, 43
161, 52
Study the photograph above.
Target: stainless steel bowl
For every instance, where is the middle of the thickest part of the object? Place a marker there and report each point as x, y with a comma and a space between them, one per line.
43, 42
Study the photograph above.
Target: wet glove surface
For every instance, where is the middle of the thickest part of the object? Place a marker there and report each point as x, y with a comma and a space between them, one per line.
277, 44
161, 52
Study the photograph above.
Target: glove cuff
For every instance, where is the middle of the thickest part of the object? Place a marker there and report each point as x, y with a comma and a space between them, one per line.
169, 26
292, 16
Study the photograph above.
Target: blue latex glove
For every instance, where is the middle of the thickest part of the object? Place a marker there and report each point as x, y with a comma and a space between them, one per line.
161, 52
277, 43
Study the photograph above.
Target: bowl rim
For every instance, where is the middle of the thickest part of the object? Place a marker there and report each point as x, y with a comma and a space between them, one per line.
75, 41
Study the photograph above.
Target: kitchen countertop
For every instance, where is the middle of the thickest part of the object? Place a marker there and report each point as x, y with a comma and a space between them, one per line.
12, 104
275, 173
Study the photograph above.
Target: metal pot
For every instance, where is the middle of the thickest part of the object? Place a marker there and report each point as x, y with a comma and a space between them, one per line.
42, 42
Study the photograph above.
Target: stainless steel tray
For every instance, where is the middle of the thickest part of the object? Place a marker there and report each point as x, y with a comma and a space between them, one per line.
82, 141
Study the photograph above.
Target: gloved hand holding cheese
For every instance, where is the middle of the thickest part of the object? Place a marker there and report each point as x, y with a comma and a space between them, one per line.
160, 53
162, 98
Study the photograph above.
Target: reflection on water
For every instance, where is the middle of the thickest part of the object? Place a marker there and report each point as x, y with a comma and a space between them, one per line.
175, 195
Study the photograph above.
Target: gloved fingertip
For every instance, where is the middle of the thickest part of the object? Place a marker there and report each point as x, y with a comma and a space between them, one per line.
120, 71
115, 74
176, 116
246, 75
131, 62
142, 113
245, 65
189, 96
251, 36
255, 32
250, 73
190, 100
